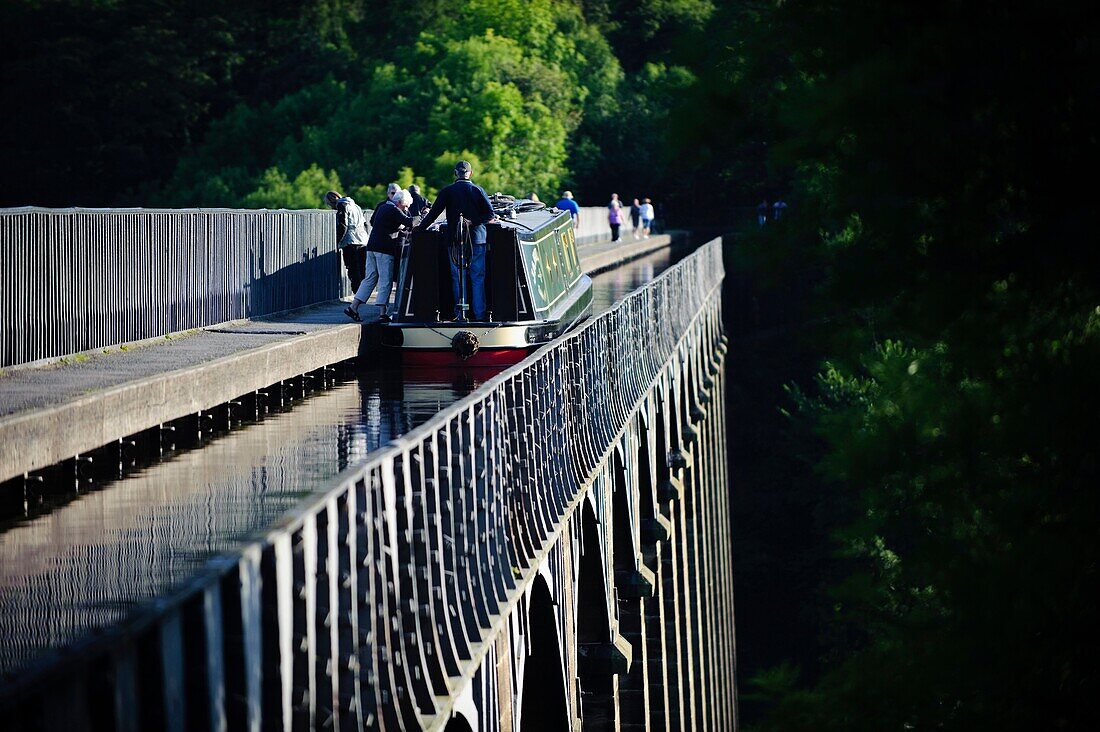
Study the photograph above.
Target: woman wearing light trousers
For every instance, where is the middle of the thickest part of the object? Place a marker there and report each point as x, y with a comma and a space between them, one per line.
383, 247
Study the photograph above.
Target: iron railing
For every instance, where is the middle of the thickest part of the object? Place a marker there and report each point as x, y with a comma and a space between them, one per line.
369, 600
74, 280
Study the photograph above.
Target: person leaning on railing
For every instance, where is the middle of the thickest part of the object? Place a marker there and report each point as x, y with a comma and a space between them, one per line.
391, 189
351, 235
420, 205
382, 250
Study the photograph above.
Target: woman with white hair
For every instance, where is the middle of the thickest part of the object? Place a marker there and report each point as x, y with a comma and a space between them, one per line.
383, 247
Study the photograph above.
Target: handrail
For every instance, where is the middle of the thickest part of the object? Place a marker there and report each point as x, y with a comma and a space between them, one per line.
77, 279
473, 494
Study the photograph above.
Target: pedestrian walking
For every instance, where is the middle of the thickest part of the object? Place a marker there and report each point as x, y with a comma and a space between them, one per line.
635, 216
566, 203
762, 212
615, 216
778, 208
646, 210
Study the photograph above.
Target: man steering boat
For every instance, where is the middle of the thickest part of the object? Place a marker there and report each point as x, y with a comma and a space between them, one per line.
464, 200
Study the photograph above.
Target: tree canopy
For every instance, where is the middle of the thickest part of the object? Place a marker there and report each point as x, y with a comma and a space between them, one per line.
925, 150
203, 105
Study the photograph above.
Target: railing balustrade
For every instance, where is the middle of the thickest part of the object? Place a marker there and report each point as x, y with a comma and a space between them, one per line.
73, 280
374, 595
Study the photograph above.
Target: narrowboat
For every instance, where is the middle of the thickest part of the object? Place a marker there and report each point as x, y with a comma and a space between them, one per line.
534, 288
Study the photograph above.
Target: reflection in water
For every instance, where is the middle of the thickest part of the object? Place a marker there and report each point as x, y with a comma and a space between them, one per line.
91, 561
609, 287
87, 563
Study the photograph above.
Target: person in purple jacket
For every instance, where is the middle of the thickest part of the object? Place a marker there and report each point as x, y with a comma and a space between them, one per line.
615, 215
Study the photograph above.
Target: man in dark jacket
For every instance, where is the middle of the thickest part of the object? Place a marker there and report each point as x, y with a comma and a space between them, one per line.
420, 204
383, 247
466, 200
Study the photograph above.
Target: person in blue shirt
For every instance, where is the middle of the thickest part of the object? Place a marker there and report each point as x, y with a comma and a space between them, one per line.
464, 198
568, 204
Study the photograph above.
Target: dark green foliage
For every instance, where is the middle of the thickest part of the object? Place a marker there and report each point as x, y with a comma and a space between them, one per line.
504, 84
628, 151
181, 104
100, 97
94, 94
642, 31
930, 147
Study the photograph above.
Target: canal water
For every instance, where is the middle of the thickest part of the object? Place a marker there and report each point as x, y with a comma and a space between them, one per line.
89, 560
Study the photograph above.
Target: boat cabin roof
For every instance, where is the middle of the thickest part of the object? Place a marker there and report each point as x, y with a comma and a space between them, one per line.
533, 225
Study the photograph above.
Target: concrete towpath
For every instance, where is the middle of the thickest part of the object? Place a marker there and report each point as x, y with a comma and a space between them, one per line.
53, 412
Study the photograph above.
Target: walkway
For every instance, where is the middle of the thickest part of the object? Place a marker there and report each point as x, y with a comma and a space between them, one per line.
50, 413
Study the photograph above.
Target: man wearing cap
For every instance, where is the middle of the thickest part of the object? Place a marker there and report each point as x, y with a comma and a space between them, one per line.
351, 236
464, 198
568, 204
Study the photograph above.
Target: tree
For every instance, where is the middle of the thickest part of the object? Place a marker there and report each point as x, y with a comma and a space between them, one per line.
507, 85
101, 97
306, 190
926, 148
